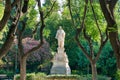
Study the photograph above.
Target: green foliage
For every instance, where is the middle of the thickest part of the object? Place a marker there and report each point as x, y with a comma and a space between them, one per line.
3, 34
31, 19
64, 77
1, 9
91, 24
50, 30
2, 71
89, 77
107, 63
77, 61
32, 76
47, 6
40, 76
17, 77
31, 3
75, 77
117, 75
10, 73
117, 15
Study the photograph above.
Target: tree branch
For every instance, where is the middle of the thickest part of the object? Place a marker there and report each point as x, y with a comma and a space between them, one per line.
41, 30
107, 14
112, 4
20, 36
36, 26
82, 48
7, 10
14, 3
96, 21
100, 49
83, 20
79, 31
6, 15
88, 38
25, 6
10, 37
69, 6
50, 9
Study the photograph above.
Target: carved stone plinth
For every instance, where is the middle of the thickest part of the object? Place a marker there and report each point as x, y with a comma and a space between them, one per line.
60, 63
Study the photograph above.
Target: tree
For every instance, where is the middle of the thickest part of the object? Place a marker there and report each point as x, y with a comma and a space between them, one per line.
12, 28
23, 54
91, 55
108, 11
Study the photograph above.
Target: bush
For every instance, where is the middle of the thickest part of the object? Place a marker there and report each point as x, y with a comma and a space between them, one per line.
17, 77
75, 72
2, 71
75, 77
89, 77
64, 77
32, 76
117, 76
10, 74
40, 76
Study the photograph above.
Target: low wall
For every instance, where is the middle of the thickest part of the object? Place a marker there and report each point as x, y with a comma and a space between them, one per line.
63, 77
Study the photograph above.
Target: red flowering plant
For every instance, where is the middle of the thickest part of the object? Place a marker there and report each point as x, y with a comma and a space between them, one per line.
42, 54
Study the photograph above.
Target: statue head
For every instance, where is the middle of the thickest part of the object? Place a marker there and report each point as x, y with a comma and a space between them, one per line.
60, 27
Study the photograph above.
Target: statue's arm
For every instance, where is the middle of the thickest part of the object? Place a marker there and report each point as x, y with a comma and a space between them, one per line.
63, 35
56, 35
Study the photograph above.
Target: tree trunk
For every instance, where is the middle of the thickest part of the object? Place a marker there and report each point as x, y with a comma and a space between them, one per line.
23, 68
112, 26
94, 71
114, 40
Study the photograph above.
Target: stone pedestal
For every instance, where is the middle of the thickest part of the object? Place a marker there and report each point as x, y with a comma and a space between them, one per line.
60, 63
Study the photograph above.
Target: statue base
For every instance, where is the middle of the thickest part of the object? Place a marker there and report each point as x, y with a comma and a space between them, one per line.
60, 63
61, 70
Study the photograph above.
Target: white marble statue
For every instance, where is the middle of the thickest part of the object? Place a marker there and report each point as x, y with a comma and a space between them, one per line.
60, 60
60, 36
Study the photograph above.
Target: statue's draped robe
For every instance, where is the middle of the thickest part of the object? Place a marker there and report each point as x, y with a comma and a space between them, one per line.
60, 35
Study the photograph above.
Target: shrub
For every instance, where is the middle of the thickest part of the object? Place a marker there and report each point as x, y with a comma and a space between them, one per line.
89, 77
40, 76
64, 77
17, 77
2, 71
30, 76
117, 76
75, 72
75, 77
10, 74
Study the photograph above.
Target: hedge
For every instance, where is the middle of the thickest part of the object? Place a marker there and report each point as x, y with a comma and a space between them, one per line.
42, 76
32, 76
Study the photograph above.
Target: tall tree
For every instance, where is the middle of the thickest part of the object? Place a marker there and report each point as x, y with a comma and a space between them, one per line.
10, 36
22, 53
83, 31
108, 7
